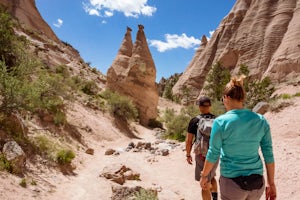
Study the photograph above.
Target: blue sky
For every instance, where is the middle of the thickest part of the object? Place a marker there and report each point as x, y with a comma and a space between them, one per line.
173, 28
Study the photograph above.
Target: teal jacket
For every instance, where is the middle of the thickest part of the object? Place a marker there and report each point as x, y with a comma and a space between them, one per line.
236, 137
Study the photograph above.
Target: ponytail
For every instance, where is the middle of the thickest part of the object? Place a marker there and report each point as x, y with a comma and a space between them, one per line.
235, 88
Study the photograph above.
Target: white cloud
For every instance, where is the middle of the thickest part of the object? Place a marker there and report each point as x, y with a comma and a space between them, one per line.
210, 34
108, 13
94, 12
58, 23
130, 8
175, 41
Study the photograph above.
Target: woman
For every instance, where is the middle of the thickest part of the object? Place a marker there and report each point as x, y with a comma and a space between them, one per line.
236, 137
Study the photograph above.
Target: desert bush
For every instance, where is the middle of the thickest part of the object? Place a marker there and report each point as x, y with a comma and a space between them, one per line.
23, 183
5, 164
63, 70
60, 118
167, 85
24, 84
177, 124
168, 115
65, 156
33, 182
89, 88
53, 149
167, 93
46, 146
176, 128
119, 105
143, 194
43, 143
8, 39
285, 96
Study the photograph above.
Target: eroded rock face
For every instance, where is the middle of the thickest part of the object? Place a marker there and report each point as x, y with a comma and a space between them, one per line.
133, 74
45, 44
26, 12
264, 35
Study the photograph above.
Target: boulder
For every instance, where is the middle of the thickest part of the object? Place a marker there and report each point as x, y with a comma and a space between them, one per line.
16, 157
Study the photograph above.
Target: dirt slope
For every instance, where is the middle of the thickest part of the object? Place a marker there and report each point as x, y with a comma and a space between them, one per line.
170, 174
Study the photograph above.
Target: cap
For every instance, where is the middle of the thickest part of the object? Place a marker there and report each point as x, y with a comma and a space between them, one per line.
203, 101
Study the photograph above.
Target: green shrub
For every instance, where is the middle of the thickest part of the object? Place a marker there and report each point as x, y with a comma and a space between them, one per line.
33, 182
8, 39
120, 106
23, 183
63, 70
143, 194
177, 124
168, 84
65, 156
5, 164
168, 115
176, 128
90, 88
60, 118
24, 84
46, 146
94, 70
285, 96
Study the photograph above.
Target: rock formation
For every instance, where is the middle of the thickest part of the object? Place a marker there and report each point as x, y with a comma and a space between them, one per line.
26, 12
264, 35
133, 74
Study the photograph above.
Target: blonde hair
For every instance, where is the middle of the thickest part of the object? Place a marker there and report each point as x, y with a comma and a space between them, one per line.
235, 89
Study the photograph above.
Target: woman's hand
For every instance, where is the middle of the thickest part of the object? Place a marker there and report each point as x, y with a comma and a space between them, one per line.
271, 192
204, 184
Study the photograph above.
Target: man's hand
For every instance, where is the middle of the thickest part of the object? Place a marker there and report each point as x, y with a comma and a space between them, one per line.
189, 159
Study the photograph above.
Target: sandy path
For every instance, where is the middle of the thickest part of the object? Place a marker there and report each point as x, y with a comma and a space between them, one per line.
171, 174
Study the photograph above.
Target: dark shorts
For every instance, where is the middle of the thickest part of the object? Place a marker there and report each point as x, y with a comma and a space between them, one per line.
231, 191
199, 168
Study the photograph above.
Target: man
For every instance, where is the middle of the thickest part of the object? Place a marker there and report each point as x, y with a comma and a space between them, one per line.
204, 108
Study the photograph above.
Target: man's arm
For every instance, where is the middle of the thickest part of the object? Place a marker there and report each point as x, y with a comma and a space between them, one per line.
188, 147
204, 175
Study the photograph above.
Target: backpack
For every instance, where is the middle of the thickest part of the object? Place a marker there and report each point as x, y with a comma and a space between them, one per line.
203, 134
